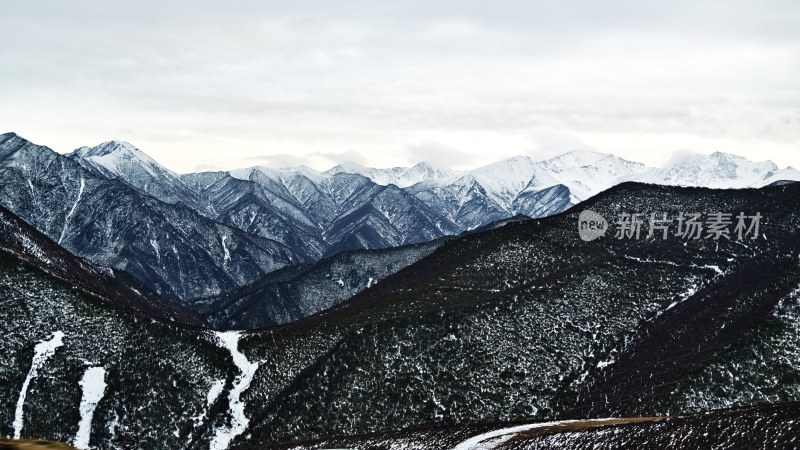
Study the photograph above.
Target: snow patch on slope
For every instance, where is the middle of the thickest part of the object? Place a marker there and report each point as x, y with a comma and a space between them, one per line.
239, 421
94, 387
214, 391
72, 210
227, 256
41, 353
494, 439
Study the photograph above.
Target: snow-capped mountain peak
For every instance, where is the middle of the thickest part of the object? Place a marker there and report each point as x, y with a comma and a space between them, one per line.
505, 179
579, 158
402, 177
422, 172
586, 173
118, 158
787, 174
348, 167
717, 170
109, 147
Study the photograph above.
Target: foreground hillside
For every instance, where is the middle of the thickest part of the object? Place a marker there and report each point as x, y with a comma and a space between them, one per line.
528, 321
156, 378
525, 322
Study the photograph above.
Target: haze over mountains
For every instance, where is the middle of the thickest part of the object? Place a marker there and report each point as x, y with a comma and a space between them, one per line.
204, 234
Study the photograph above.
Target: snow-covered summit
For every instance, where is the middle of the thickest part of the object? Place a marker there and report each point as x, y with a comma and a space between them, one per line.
717, 170
587, 173
109, 147
422, 172
401, 177
787, 174
504, 180
119, 158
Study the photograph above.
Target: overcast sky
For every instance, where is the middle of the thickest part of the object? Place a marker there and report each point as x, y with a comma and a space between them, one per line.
203, 85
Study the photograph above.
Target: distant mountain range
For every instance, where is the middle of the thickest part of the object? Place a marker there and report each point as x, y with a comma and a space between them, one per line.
204, 234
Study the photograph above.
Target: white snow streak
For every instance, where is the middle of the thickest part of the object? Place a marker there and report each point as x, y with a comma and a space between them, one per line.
606, 363
239, 422
686, 295
156, 247
713, 267
213, 393
492, 439
42, 352
94, 386
225, 249
72, 211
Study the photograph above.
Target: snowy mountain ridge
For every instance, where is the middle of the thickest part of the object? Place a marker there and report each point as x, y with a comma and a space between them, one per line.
587, 173
717, 170
584, 173
261, 219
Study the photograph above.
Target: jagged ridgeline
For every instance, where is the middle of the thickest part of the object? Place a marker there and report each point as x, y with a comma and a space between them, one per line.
521, 322
195, 236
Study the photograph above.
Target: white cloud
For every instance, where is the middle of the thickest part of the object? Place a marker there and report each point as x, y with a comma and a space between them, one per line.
439, 155
460, 82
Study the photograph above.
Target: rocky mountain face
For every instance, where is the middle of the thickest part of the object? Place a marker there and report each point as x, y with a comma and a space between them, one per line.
339, 212
171, 248
200, 235
522, 322
121, 160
